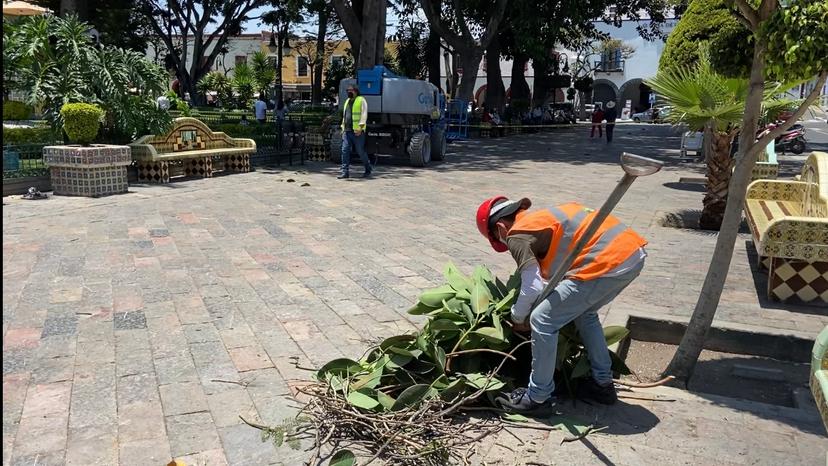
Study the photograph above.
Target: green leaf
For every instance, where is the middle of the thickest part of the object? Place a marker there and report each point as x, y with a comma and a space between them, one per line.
478, 380
343, 458
342, 367
368, 380
514, 282
456, 279
401, 341
482, 275
440, 358
399, 360
490, 334
413, 396
515, 418
434, 297
581, 367
506, 302
572, 426
385, 400
362, 400
443, 325
615, 333
420, 309
480, 298
455, 388
468, 313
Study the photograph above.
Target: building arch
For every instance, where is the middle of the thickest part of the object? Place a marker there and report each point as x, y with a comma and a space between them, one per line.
636, 91
603, 91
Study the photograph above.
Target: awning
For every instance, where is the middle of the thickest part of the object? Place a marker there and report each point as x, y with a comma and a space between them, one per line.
20, 8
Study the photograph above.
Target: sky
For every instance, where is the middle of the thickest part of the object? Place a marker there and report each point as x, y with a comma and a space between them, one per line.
252, 26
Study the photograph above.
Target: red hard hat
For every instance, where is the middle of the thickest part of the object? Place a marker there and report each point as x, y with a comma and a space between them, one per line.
483, 222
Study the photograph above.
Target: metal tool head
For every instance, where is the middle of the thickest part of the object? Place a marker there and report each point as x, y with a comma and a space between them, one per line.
636, 165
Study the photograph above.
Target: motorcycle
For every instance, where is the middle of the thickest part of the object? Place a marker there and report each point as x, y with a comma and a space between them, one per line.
792, 140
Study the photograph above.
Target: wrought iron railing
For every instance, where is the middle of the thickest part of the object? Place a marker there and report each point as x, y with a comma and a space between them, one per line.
22, 160
607, 66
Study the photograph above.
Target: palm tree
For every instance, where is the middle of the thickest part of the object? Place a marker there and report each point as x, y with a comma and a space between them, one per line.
707, 101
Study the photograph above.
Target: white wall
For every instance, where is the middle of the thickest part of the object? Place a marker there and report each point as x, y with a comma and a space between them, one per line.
642, 64
240, 45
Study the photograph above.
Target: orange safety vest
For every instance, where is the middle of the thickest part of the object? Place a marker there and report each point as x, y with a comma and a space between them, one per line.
611, 245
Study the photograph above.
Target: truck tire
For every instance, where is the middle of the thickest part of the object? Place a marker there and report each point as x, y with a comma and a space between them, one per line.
419, 149
336, 146
438, 144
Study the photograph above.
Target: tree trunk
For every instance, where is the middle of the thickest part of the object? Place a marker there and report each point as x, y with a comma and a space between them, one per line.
495, 92
432, 50
719, 170
470, 62
541, 91
372, 45
280, 55
76, 7
452, 77
582, 105
319, 63
520, 88
687, 354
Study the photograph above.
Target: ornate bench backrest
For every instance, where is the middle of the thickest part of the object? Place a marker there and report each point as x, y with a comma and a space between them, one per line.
815, 173
187, 134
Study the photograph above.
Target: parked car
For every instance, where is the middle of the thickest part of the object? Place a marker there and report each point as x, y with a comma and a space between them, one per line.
648, 115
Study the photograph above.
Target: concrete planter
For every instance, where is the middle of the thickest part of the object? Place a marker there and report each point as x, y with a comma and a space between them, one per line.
92, 171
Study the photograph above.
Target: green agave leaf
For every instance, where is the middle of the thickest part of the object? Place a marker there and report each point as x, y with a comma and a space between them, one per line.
413, 396
362, 400
615, 333
478, 380
490, 334
435, 296
480, 298
387, 401
420, 309
343, 458
581, 367
456, 279
342, 367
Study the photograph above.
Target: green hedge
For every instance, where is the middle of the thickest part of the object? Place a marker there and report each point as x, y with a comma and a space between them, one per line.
30, 136
14, 110
711, 22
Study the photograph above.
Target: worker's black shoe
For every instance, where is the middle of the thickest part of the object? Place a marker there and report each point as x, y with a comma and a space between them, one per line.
343, 176
368, 174
592, 390
519, 402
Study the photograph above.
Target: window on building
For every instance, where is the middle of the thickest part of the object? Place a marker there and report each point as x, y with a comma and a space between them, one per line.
337, 60
241, 59
301, 66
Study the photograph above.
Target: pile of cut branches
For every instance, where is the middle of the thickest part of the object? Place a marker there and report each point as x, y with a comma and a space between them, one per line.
403, 401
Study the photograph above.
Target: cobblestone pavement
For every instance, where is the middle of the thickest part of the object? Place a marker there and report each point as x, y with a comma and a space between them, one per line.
136, 328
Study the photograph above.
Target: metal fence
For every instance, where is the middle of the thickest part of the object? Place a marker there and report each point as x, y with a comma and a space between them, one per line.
223, 118
21, 160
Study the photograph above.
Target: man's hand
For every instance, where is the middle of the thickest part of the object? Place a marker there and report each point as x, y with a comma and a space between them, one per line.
522, 327
358, 132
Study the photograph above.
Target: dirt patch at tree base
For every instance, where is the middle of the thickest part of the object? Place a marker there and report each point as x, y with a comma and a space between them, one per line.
742, 376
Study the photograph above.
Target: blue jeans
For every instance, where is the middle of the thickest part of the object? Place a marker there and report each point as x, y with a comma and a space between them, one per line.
579, 301
352, 141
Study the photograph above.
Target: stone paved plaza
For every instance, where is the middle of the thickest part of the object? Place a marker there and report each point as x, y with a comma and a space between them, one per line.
136, 328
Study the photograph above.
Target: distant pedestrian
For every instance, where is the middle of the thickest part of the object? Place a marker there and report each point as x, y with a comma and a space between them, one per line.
260, 107
610, 115
597, 120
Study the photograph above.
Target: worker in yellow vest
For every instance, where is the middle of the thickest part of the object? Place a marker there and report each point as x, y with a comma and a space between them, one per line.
354, 119
539, 241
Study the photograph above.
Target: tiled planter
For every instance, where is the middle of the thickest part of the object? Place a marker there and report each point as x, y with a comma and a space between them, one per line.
92, 171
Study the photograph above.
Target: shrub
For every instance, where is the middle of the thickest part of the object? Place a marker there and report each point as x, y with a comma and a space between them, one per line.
29, 136
709, 21
14, 110
81, 121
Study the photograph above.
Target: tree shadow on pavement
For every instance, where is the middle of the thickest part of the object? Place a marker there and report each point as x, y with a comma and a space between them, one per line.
569, 146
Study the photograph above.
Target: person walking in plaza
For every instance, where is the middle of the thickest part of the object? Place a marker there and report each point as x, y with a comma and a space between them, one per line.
610, 115
538, 241
260, 108
597, 120
354, 119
